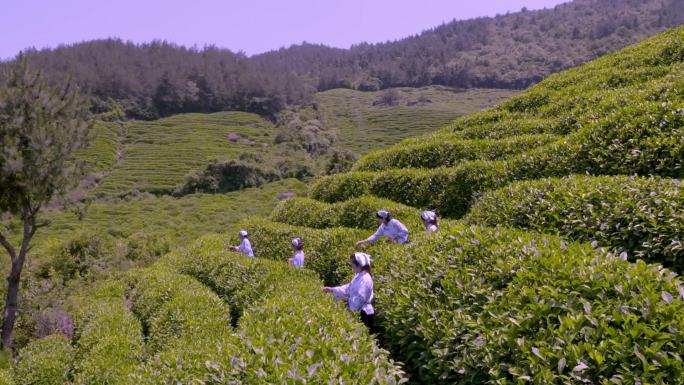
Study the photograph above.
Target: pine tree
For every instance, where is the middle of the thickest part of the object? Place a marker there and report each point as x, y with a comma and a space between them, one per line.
40, 128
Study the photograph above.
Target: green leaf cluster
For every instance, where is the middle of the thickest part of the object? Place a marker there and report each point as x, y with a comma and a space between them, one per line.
448, 151
643, 217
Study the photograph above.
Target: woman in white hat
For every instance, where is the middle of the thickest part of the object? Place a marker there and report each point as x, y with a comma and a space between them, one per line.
245, 246
390, 228
359, 292
298, 259
430, 220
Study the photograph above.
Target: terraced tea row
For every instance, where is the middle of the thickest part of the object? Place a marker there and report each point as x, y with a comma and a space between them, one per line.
641, 216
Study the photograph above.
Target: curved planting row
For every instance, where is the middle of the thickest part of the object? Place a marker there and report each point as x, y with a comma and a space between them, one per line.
447, 152
642, 216
479, 305
189, 334
355, 213
290, 332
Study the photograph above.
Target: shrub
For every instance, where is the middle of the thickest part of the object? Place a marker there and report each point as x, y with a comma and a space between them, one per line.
227, 175
642, 216
476, 305
448, 190
109, 339
82, 255
447, 152
293, 332
46, 361
356, 213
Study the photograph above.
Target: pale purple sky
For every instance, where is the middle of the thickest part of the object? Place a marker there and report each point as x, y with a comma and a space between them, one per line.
252, 26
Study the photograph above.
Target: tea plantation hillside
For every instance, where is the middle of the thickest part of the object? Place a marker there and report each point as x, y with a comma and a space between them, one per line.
370, 120
483, 305
156, 156
621, 114
578, 283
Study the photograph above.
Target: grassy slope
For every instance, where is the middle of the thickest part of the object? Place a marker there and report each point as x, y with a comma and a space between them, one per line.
362, 127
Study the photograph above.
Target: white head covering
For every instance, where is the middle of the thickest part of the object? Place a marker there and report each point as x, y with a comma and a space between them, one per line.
297, 242
428, 215
362, 259
243, 233
383, 214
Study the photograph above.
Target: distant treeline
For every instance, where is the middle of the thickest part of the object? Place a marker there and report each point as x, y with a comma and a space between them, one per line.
507, 51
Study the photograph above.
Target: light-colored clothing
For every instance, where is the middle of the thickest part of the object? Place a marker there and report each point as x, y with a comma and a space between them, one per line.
358, 293
298, 259
394, 230
246, 248
433, 228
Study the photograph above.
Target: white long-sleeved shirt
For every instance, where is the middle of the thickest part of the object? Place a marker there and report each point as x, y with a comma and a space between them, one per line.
358, 293
246, 247
298, 259
394, 230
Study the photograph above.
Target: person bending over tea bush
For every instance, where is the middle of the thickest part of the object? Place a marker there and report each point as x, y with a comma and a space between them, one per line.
298, 259
359, 292
390, 228
245, 245
430, 220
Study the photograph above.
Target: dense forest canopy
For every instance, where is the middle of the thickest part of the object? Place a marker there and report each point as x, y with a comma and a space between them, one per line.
507, 51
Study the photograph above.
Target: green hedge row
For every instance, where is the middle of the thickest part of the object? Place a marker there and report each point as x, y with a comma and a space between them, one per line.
500, 306
108, 337
440, 152
290, 331
450, 191
642, 216
187, 326
355, 213
46, 361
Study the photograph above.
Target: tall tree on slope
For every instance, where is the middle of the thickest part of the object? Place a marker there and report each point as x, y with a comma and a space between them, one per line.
40, 128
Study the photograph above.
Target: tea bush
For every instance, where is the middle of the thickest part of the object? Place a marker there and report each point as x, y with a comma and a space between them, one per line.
108, 338
356, 213
497, 306
447, 152
46, 361
642, 216
290, 331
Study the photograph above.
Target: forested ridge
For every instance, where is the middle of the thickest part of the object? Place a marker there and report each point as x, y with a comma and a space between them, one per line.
507, 51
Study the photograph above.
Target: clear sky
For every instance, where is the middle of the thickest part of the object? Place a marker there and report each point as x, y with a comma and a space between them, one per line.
252, 26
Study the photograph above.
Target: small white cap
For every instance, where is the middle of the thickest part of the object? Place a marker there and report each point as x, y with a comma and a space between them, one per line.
428, 215
362, 259
242, 233
383, 214
297, 242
